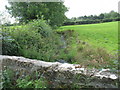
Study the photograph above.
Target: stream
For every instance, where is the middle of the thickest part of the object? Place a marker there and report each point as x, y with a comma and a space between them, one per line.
64, 42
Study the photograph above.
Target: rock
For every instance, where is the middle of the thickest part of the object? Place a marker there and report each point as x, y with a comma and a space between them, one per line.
61, 74
61, 61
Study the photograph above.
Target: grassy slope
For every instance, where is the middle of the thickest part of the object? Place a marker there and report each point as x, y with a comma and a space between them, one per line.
99, 35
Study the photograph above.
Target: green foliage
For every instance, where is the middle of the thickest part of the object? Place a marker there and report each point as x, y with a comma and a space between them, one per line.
92, 45
41, 27
79, 22
35, 40
68, 52
9, 81
103, 17
107, 20
28, 83
7, 77
111, 14
53, 12
9, 45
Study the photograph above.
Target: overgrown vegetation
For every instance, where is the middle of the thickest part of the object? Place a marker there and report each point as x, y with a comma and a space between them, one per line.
91, 47
9, 81
95, 57
35, 40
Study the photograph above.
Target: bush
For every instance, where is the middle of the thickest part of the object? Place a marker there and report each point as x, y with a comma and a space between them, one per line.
9, 45
82, 22
107, 20
117, 19
41, 27
35, 40
69, 23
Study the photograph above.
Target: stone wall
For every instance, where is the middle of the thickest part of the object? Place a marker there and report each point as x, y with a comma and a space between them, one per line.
60, 74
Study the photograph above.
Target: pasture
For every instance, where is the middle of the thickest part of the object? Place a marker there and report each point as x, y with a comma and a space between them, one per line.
104, 35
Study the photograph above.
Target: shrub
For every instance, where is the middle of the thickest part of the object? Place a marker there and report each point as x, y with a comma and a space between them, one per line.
69, 23
81, 22
9, 45
35, 40
107, 20
117, 19
41, 27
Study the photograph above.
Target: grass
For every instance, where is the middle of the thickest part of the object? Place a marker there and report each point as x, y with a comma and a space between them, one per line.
103, 35
93, 45
98, 36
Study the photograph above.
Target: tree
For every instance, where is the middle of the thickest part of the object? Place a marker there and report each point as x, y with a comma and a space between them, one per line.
53, 12
101, 16
91, 17
114, 14
85, 17
95, 17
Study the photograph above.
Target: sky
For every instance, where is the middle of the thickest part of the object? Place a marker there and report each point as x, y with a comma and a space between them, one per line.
90, 7
81, 7
6, 16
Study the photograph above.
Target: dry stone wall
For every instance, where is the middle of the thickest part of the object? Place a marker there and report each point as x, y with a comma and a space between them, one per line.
60, 74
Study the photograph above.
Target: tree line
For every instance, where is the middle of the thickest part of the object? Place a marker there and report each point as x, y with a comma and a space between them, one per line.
103, 17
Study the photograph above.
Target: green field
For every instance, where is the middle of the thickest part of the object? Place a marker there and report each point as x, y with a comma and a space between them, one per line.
104, 35
99, 52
